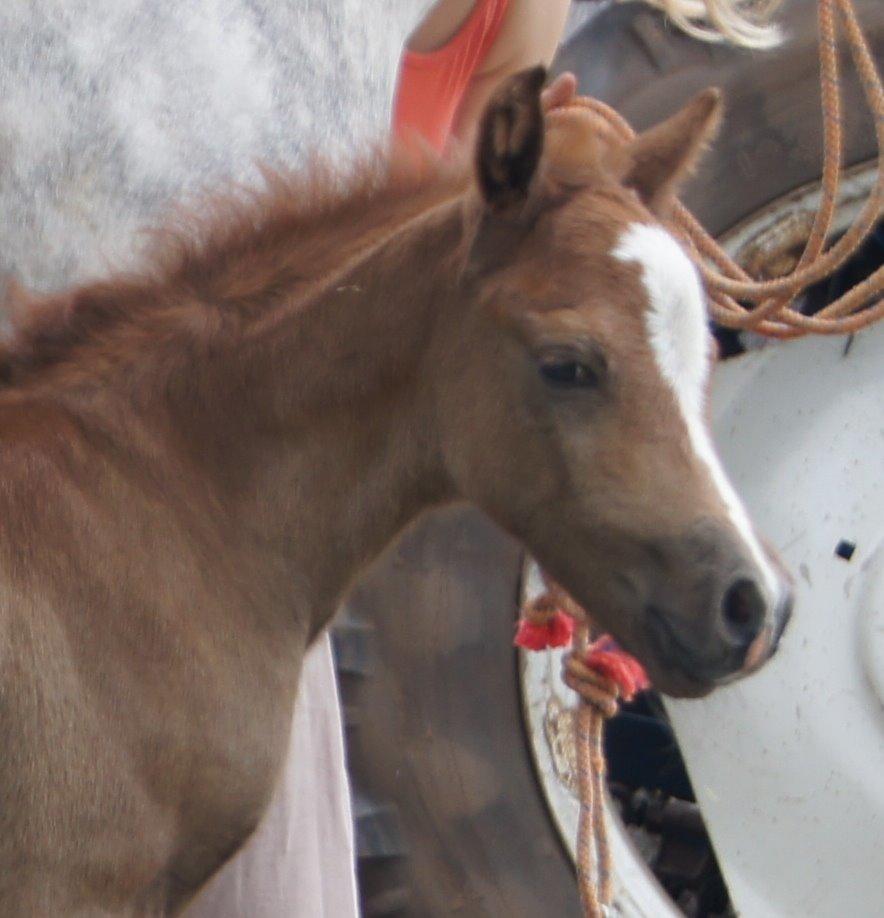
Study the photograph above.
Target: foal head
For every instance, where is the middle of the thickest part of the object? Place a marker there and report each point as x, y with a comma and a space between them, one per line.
575, 386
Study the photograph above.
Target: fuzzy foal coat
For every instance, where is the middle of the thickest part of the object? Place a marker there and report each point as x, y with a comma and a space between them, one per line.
177, 454
195, 464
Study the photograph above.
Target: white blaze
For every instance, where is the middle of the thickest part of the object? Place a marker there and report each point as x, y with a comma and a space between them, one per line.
676, 323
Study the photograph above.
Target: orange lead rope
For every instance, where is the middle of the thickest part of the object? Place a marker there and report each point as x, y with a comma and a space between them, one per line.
772, 313
601, 674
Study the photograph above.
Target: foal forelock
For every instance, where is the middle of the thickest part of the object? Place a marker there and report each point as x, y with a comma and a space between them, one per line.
676, 325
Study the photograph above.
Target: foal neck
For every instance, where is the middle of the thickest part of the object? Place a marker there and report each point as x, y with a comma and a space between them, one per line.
335, 445
316, 423
275, 369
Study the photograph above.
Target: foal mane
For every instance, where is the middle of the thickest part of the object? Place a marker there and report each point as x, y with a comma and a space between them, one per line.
230, 258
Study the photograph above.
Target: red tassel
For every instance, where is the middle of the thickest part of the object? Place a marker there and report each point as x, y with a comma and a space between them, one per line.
605, 657
556, 631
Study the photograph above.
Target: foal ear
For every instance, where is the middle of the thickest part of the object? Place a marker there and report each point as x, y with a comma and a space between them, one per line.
660, 159
510, 140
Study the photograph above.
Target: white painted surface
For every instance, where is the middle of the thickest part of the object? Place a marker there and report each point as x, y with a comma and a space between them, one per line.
788, 765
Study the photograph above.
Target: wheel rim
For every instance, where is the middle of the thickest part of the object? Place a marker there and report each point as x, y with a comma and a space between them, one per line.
767, 241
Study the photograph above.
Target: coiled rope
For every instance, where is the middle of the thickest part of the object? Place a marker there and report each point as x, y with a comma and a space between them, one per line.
771, 312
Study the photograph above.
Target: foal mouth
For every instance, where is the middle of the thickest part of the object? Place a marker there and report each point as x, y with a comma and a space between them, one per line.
674, 654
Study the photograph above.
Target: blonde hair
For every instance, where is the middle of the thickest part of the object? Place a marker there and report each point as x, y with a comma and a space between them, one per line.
740, 22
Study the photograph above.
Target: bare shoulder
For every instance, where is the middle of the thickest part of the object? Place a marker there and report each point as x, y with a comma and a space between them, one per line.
529, 35
440, 25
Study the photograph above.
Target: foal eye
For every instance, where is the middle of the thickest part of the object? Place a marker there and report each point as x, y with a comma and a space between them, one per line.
569, 373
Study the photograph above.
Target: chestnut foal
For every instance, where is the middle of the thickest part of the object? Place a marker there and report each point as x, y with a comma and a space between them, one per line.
196, 463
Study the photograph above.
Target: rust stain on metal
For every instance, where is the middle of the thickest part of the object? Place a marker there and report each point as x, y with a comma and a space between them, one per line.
776, 250
558, 728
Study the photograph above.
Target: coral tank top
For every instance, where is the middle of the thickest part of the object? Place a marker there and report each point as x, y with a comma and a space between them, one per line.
431, 85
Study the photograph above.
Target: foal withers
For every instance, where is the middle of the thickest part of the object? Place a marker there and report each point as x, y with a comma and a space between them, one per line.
198, 462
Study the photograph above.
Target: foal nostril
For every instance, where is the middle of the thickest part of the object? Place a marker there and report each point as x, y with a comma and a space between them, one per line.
743, 610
